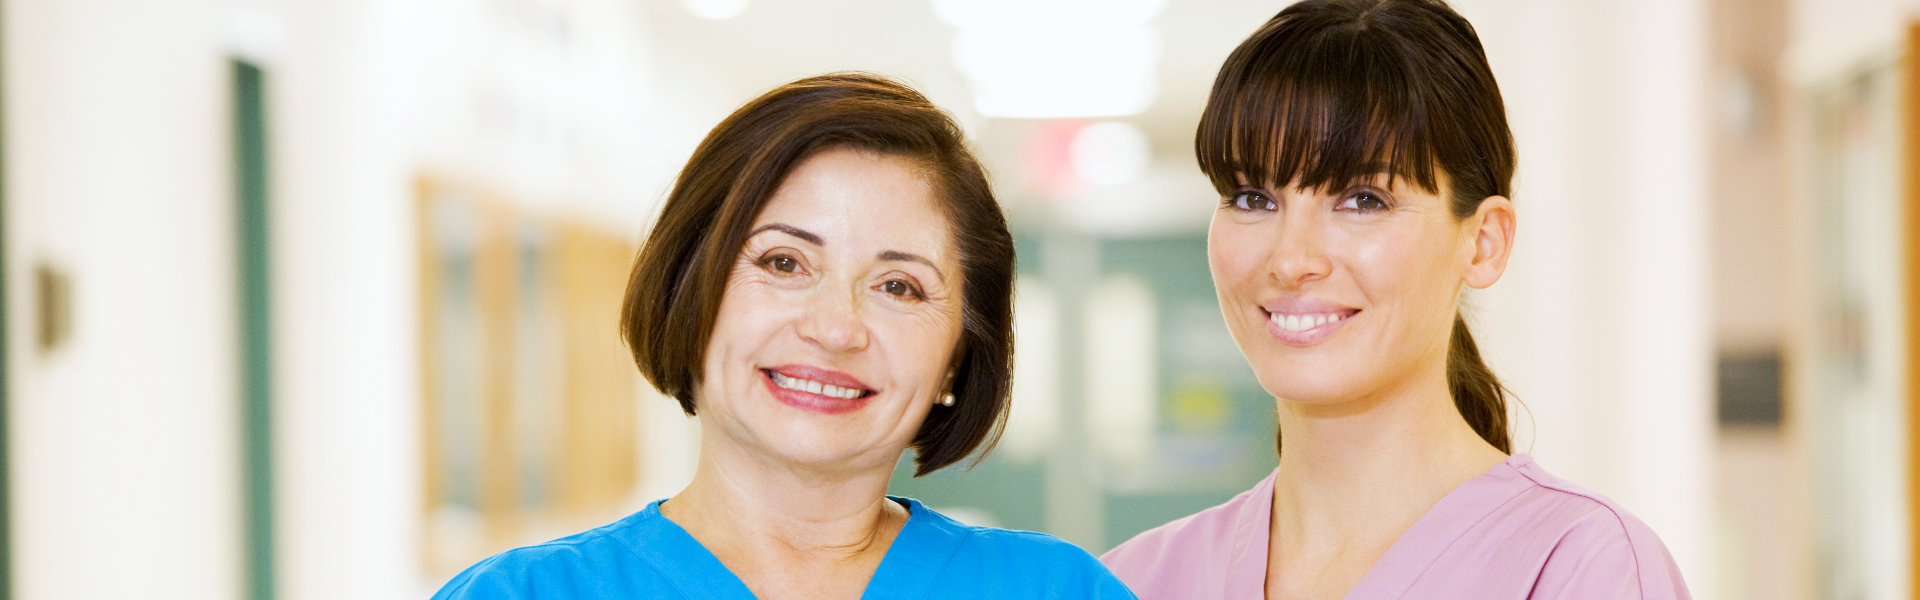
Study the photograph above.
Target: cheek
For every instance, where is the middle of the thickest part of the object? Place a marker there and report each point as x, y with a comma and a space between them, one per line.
1416, 272
1383, 259
1233, 253
921, 345
748, 316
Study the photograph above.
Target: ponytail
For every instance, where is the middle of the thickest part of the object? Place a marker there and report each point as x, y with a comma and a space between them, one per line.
1481, 398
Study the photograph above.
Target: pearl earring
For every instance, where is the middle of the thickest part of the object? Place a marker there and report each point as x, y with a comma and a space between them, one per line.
946, 399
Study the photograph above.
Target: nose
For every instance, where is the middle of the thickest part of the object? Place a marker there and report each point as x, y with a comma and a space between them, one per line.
1299, 256
833, 321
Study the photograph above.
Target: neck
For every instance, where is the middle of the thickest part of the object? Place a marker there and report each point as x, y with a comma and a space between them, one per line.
1371, 467
745, 505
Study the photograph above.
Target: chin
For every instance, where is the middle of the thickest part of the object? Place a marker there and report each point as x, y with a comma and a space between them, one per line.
1310, 397
820, 451
1306, 384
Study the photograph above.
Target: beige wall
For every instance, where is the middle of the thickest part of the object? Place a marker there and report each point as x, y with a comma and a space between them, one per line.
1601, 325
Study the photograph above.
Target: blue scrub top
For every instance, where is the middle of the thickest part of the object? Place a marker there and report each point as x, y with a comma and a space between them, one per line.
647, 555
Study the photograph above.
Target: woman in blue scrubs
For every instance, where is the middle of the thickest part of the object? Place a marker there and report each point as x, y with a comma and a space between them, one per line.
830, 283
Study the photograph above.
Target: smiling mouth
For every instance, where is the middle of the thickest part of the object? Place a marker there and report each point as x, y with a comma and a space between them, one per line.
1296, 323
814, 387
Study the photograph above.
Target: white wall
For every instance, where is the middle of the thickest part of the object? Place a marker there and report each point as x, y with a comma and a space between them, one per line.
125, 451
345, 389
125, 441
371, 95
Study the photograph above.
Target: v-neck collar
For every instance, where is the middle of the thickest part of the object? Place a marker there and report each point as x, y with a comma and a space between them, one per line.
1428, 539
681, 560
924, 546
1410, 556
919, 554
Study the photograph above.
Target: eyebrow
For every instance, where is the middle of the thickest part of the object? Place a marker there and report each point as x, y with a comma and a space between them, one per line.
906, 256
789, 230
815, 240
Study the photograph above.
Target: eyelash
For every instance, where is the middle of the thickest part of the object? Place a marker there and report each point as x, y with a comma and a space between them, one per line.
1243, 200
767, 262
1357, 195
912, 291
770, 261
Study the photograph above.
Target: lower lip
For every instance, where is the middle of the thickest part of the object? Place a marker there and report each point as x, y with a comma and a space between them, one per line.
813, 402
1306, 337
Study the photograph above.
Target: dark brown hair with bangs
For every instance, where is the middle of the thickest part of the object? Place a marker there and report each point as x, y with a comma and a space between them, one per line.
674, 291
1330, 93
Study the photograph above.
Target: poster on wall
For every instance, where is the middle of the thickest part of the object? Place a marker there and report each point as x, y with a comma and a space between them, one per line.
529, 427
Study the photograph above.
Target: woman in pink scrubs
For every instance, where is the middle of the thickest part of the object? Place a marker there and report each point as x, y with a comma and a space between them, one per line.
1364, 163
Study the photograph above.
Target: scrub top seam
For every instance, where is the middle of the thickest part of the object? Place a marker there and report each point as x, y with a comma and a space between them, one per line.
1633, 550
1456, 539
630, 548
966, 534
466, 581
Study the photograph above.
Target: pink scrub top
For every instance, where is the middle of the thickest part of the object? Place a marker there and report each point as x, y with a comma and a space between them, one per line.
1515, 531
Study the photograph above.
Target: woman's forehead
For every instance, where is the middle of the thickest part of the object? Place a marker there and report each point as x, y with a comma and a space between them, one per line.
861, 199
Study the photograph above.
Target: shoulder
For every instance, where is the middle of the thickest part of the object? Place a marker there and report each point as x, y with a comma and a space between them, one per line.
1201, 528
978, 543
1210, 549
1017, 545
1023, 563
1588, 539
583, 565
1208, 528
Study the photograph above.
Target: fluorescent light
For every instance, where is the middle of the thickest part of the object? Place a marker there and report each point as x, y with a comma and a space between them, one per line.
1043, 59
989, 14
716, 9
1072, 72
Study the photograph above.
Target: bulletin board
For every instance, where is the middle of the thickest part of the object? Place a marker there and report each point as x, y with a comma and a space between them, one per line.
528, 396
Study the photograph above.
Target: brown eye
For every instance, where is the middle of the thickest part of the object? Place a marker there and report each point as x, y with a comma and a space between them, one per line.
1363, 201
1248, 200
900, 288
780, 263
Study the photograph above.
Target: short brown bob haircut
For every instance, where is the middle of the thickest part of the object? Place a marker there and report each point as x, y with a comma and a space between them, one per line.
674, 291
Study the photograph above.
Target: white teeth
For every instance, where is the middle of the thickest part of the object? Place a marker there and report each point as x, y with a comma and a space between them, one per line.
1299, 323
813, 387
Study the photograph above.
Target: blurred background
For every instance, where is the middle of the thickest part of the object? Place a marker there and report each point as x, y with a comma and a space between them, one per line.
317, 299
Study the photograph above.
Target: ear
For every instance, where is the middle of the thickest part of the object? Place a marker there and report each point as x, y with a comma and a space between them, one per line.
953, 364
946, 381
1491, 231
